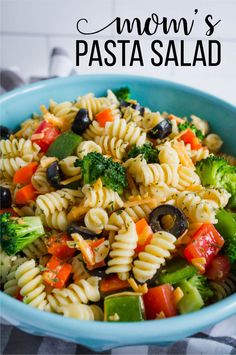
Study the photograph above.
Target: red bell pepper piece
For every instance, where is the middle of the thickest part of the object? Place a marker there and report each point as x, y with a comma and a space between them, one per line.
58, 272
49, 134
112, 283
206, 243
57, 246
190, 138
159, 299
25, 194
23, 175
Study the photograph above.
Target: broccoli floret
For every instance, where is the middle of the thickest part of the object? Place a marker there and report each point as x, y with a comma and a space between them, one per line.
202, 285
122, 94
196, 131
17, 233
215, 171
226, 226
95, 165
148, 152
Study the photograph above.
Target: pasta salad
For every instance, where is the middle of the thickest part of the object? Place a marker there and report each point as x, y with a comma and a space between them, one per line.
112, 212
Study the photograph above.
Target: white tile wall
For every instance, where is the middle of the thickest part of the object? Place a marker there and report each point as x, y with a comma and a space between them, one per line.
29, 29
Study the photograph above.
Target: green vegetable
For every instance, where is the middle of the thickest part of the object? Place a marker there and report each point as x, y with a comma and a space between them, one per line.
64, 145
196, 131
123, 307
215, 171
122, 94
226, 226
17, 233
182, 273
232, 201
192, 300
148, 152
95, 165
202, 285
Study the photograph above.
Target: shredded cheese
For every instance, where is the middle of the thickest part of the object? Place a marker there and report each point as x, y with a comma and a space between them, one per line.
178, 294
160, 315
199, 263
139, 201
137, 288
77, 212
71, 179
183, 154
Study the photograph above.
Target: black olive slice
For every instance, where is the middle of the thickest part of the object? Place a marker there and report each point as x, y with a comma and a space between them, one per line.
5, 198
81, 121
5, 132
54, 175
161, 130
85, 232
179, 221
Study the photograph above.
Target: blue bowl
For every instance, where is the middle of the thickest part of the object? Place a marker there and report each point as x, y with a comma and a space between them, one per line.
158, 95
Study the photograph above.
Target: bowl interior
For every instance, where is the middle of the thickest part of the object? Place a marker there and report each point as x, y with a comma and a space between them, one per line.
158, 95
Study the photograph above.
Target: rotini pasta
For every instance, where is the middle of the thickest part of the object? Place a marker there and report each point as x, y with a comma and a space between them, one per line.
31, 284
153, 256
25, 149
83, 312
68, 168
96, 219
57, 201
78, 270
126, 131
10, 286
112, 146
224, 288
81, 292
87, 147
36, 249
9, 166
39, 181
122, 249
101, 197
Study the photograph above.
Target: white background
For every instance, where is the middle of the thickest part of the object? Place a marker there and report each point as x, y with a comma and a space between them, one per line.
31, 28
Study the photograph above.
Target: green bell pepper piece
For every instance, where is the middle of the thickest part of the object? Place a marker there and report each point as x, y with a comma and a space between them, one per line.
232, 202
124, 307
64, 145
226, 225
191, 301
183, 273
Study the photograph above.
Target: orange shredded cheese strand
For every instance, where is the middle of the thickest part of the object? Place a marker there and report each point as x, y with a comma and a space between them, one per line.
183, 155
77, 212
199, 263
178, 294
137, 202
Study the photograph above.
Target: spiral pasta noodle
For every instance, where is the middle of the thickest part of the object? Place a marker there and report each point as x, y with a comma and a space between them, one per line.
36, 249
148, 174
57, 201
153, 256
112, 146
224, 288
93, 104
5, 265
81, 292
168, 155
31, 284
96, 219
213, 142
126, 131
94, 130
56, 220
219, 196
87, 147
68, 168
9, 166
122, 249
83, 312
66, 110
161, 191
187, 177
101, 197
197, 155
195, 208
40, 182
10, 286
23, 148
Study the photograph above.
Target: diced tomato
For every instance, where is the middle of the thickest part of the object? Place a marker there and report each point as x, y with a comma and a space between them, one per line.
145, 234
19, 297
49, 132
206, 243
190, 138
96, 265
160, 299
23, 175
112, 283
25, 194
57, 246
219, 268
104, 116
58, 272
9, 210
